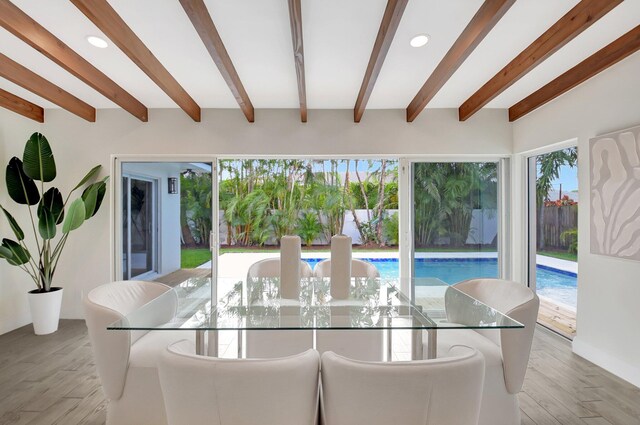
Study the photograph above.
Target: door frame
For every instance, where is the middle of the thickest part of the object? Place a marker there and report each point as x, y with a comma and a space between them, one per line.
527, 228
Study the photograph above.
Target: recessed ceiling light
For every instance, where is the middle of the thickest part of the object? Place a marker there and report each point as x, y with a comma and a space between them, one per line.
419, 40
97, 41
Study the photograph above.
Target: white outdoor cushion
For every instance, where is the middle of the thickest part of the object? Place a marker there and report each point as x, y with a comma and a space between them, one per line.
444, 391
208, 390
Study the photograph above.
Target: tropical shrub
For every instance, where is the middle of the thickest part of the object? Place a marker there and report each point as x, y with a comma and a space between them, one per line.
391, 228
570, 237
195, 202
309, 228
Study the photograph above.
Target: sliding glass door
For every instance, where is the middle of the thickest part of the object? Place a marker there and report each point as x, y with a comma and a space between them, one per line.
553, 237
164, 217
139, 230
455, 221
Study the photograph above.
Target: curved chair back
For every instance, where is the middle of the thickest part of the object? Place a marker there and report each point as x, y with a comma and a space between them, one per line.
356, 344
270, 344
429, 392
109, 303
516, 301
199, 389
359, 268
270, 267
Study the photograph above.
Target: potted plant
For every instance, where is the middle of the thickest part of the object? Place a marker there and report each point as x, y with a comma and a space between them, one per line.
52, 212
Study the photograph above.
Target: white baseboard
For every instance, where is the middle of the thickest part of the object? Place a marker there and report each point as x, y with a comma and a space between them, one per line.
626, 371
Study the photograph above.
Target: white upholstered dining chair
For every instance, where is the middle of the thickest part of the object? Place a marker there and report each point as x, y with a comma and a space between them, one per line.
127, 360
269, 344
355, 344
209, 390
506, 351
444, 391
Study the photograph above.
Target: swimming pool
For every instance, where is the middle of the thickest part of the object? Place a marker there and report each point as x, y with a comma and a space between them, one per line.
559, 285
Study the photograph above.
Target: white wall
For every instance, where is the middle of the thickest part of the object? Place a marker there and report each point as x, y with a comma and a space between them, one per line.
608, 289
78, 145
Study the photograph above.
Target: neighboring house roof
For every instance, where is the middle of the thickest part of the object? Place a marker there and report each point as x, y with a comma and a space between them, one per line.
554, 195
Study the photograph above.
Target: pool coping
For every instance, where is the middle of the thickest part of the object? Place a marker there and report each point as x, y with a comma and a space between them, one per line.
541, 260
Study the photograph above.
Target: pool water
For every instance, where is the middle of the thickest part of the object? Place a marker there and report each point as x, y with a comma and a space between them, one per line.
559, 285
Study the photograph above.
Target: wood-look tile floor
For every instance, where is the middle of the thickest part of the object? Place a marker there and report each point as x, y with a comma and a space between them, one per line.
51, 379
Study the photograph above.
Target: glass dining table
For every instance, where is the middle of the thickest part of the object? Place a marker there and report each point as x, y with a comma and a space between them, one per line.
372, 304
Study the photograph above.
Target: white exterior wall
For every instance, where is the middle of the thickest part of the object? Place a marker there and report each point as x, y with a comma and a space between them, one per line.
608, 288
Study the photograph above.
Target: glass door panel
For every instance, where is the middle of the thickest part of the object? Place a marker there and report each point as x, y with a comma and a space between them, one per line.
165, 221
553, 237
141, 227
125, 228
456, 221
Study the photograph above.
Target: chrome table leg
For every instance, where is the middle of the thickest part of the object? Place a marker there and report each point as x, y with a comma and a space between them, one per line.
432, 348
213, 343
200, 345
416, 344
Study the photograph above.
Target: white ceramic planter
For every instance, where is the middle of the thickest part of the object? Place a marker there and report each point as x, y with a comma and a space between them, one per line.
45, 310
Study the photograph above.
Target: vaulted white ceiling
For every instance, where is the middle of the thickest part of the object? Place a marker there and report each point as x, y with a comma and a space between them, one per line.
338, 39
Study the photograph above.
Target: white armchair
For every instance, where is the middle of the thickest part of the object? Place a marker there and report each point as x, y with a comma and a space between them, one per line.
443, 391
208, 390
361, 344
127, 360
269, 344
506, 351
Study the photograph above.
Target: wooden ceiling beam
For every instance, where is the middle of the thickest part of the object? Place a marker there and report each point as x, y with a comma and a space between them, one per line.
31, 81
201, 19
578, 19
490, 12
113, 26
594, 64
22, 26
295, 18
21, 106
388, 26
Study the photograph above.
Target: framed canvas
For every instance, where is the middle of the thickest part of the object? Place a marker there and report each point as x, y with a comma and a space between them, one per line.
615, 194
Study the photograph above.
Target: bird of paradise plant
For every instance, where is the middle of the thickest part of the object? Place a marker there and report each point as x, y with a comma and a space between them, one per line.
38, 165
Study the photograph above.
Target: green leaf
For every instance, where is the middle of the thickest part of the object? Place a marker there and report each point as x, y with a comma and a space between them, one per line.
102, 190
14, 225
52, 200
46, 223
19, 255
75, 216
5, 252
90, 198
98, 191
22, 189
38, 159
88, 177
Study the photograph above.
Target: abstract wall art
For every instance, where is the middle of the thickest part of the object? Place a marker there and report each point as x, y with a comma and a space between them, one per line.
615, 194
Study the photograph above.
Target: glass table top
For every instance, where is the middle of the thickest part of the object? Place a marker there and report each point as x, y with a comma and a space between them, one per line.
257, 305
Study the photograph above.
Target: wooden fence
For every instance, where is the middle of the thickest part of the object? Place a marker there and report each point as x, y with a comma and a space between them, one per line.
555, 221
